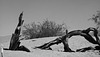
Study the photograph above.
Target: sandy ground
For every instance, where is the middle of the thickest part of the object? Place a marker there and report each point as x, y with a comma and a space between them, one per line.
75, 43
45, 53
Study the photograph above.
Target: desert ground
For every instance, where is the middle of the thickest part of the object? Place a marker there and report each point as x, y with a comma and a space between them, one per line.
76, 42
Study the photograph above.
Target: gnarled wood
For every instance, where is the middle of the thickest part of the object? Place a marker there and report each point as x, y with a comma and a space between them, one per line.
15, 42
64, 39
88, 48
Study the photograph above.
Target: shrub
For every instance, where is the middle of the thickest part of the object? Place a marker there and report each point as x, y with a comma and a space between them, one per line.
45, 29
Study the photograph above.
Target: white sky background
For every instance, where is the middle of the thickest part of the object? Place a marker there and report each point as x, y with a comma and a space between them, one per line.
74, 13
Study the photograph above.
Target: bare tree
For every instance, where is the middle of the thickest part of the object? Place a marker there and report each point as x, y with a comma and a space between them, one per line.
64, 39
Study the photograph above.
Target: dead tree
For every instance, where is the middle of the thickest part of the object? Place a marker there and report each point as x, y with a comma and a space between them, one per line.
58, 40
15, 42
64, 39
86, 35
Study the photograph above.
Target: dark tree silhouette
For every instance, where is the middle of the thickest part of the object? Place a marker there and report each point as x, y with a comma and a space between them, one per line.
86, 35
64, 39
15, 42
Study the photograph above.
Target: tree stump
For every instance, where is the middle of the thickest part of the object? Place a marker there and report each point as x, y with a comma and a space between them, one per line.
15, 42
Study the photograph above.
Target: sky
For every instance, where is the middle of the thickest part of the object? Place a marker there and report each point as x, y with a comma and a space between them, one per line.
74, 13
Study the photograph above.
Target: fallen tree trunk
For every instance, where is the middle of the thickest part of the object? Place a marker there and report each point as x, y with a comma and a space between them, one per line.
64, 39
57, 41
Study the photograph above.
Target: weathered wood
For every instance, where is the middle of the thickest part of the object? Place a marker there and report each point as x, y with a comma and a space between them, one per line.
85, 34
66, 46
23, 48
88, 48
64, 39
57, 41
47, 45
14, 42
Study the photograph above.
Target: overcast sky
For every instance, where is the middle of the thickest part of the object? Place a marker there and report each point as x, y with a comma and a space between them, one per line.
74, 13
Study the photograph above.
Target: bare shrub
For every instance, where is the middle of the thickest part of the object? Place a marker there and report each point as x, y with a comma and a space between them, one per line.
45, 29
